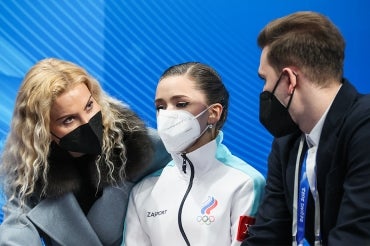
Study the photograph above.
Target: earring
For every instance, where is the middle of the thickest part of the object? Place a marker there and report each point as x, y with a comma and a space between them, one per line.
210, 126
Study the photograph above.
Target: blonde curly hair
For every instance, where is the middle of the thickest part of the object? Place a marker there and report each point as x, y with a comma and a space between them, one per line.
25, 155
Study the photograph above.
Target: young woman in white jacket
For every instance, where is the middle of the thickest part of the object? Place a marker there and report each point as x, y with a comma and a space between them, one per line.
205, 195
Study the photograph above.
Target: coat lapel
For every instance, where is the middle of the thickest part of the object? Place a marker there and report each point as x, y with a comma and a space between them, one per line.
333, 123
109, 226
63, 220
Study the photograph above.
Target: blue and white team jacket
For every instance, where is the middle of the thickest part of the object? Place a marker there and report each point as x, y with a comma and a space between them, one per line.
199, 201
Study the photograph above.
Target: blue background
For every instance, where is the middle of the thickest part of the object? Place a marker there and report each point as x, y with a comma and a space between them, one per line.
127, 44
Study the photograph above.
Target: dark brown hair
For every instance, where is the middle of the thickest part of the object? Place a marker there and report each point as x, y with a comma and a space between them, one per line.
207, 80
307, 40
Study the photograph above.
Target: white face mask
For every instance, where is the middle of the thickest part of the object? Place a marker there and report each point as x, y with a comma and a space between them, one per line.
178, 129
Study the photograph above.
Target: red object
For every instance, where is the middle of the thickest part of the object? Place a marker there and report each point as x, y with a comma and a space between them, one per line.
244, 223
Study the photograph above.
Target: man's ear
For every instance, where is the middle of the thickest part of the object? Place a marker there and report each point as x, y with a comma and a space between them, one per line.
292, 76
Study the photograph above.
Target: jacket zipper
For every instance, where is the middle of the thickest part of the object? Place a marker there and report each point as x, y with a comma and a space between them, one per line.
179, 220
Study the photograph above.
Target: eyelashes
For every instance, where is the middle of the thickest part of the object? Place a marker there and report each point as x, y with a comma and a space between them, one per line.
178, 105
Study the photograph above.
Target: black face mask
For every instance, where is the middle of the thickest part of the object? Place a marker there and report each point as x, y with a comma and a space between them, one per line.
274, 116
86, 138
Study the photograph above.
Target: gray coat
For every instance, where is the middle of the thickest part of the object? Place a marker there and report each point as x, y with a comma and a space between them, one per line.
63, 220
65, 223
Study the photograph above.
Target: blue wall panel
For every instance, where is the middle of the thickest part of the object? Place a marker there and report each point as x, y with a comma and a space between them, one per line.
127, 44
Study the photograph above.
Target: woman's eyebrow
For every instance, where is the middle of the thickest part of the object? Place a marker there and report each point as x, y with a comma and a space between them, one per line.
88, 101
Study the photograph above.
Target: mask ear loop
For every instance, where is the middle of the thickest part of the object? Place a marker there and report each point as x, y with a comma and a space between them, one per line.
202, 112
213, 125
291, 97
213, 133
55, 135
277, 83
209, 126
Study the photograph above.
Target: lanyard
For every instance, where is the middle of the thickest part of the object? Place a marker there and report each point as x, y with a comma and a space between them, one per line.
300, 197
304, 187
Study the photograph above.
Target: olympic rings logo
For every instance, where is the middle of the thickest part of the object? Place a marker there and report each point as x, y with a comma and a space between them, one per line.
205, 219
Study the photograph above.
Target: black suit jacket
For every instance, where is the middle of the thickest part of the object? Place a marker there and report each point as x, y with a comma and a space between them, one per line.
343, 179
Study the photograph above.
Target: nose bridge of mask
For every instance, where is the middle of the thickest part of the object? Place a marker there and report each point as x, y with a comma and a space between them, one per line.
179, 129
174, 115
96, 123
169, 113
86, 138
174, 118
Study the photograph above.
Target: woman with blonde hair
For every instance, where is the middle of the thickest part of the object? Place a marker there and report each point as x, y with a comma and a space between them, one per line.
70, 160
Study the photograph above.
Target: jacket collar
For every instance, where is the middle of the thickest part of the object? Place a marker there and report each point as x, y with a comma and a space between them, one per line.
200, 158
342, 104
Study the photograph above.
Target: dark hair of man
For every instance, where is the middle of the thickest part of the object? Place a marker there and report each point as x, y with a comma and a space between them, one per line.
207, 80
307, 40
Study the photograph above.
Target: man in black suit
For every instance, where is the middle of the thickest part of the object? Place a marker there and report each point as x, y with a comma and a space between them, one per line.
318, 181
